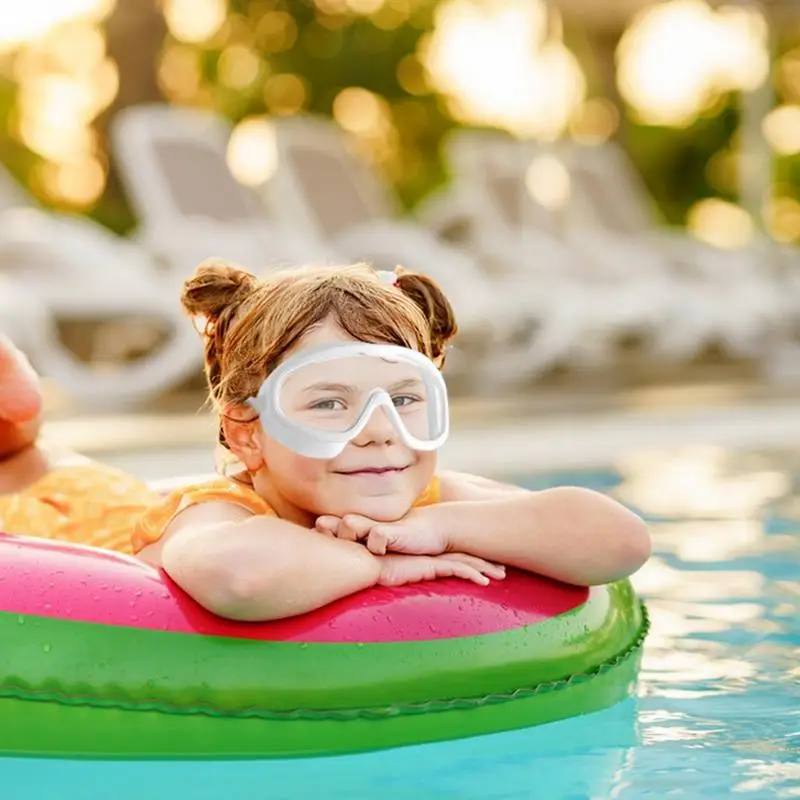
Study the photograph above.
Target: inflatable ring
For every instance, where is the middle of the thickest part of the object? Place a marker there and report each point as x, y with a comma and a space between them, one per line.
104, 656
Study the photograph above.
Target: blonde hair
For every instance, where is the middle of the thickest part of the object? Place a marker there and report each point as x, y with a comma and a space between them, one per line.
249, 324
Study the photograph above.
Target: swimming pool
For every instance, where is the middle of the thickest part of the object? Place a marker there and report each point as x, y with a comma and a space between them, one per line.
718, 708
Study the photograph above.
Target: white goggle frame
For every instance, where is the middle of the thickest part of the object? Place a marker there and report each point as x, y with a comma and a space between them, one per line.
324, 444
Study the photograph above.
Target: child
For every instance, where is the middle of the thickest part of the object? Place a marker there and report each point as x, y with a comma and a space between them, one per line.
57, 495
312, 515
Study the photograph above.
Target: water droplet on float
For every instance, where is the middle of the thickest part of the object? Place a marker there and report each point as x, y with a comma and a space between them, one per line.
303, 645
359, 644
20, 620
138, 593
47, 648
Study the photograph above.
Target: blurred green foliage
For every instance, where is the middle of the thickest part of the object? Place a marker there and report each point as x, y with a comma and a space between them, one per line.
333, 50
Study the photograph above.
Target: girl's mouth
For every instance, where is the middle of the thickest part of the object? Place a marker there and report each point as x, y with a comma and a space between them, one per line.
373, 471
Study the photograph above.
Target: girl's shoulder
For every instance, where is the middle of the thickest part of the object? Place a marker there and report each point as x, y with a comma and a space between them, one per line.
155, 520
459, 486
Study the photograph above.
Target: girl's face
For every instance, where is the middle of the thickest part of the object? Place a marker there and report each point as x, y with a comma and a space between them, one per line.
376, 475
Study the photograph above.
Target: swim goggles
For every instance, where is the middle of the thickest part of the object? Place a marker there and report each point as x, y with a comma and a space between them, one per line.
320, 399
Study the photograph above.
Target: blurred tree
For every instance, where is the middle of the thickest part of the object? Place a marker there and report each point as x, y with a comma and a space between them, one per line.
359, 61
134, 38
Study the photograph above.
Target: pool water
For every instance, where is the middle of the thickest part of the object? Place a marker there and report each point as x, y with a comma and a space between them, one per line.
717, 712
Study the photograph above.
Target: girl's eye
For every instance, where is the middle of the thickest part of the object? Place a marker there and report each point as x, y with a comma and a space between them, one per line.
403, 400
328, 405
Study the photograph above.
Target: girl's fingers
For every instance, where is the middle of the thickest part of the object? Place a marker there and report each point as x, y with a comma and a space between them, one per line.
354, 528
447, 568
328, 525
496, 571
378, 542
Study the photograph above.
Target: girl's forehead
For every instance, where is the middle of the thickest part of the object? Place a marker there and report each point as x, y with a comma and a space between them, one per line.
326, 332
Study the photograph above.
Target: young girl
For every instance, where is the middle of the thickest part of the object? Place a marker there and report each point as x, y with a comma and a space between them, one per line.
305, 521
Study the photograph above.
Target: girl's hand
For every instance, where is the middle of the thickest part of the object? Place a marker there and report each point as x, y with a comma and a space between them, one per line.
398, 570
415, 534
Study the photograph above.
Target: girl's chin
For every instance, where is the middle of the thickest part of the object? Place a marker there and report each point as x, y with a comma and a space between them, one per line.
379, 509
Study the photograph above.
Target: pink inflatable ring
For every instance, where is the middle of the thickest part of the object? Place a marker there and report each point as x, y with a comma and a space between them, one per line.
104, 656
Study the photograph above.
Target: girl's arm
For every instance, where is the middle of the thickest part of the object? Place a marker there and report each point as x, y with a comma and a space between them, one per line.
258, 568
568, 533
247, 567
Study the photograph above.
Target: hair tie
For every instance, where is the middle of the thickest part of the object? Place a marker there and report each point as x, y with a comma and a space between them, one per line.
389, 277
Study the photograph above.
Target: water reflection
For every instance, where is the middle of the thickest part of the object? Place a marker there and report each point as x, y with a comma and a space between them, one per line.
718, 706
720, 684
699, 482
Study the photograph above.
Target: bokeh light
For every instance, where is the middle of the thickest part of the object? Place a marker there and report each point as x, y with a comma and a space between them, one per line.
783, 219
239, 66
369, 118
678, 57
252, 152
548, 181
364, 6
285, 94
65, 81
721, 223
180, 72
782, 129
596, 121
276, 32
194, 20
485, 58
788, 74
29, 20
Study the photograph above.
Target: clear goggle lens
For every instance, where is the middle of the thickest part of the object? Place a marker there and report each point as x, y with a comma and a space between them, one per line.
331, 396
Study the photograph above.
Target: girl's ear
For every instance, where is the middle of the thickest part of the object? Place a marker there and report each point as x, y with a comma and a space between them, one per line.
241, 437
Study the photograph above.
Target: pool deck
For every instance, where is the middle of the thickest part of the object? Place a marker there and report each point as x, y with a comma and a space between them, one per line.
542, 431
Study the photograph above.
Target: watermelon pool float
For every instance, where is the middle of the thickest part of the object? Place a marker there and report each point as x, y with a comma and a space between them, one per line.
105, 657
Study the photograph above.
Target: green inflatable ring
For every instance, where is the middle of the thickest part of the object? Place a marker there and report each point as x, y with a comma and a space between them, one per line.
105, 657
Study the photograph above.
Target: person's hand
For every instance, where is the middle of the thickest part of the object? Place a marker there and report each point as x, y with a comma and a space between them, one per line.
418, 533
398, 570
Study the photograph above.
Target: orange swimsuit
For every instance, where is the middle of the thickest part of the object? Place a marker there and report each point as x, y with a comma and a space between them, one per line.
98, 505
90, 503
151, 525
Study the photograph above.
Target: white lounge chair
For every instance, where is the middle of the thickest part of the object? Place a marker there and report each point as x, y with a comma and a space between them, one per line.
174, 166
326, 189
613, 211
30, 323
490, 204
20, 311
189, 205
676, 300
78, 272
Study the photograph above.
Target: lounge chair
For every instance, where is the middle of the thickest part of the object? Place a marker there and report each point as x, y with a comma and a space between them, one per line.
674, 302
326, 189
77, 272
489, 206
613, 211
189, 205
